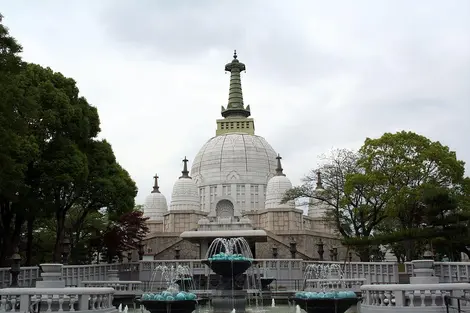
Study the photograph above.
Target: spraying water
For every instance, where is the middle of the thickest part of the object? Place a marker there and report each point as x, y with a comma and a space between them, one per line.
323, 277
297, 309
126, 309
172, 278
232, 249
273, 303
120, 308
169, 283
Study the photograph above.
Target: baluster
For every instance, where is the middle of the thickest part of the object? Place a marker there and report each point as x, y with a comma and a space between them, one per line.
13, 303
3, 303
93, 302
388, 298
411, 296
73, 300
49, 303
422, 296
100, 302
433, 297
61, 303
381, 297
105, 304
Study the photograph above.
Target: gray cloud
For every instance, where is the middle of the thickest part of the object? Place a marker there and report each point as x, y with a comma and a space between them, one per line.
320, 74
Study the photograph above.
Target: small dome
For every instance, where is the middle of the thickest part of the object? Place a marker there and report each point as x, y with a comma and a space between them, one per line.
276, 188
185, 194
155, 203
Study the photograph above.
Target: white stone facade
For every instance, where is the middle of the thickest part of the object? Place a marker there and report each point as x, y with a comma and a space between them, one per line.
232, 171
185, 195
155, 206
277, 186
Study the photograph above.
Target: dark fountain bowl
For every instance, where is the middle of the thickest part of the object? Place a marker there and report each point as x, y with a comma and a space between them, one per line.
229, 268
166, 306
326, 305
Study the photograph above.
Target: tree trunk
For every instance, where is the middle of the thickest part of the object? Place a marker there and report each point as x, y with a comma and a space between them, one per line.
57, 255
6, 220
29, 241
364, 254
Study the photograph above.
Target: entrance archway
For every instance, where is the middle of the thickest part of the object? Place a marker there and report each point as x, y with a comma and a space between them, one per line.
224, 208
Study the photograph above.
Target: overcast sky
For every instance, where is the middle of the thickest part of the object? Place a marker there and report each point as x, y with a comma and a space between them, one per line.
320, 74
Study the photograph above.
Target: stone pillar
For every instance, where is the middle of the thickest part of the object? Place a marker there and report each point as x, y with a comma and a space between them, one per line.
423, 272
51, 276
112, 275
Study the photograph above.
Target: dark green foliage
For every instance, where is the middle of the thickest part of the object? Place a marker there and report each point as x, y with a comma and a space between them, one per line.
401, 190
54, 173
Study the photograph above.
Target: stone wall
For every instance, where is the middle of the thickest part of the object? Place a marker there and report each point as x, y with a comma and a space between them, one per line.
155, 226
187, 251
181, 220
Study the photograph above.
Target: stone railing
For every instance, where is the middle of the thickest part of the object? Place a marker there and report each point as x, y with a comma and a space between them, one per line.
57, 300
350, 284
373, 272
122, 288
409, 297
448, 272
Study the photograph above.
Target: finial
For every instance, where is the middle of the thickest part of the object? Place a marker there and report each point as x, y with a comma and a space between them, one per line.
319, 182
185, 171
235, 106
279, 166
156, 189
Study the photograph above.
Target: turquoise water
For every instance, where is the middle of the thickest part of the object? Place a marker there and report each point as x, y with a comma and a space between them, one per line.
262, 309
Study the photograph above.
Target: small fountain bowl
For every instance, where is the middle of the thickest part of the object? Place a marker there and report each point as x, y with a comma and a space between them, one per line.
228, 268
174, 306
338, 302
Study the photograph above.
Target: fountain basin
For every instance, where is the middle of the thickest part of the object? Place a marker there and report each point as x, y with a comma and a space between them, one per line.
326, 305
228, 268
165, 306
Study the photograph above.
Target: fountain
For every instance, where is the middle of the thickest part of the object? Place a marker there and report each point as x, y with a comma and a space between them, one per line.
175, 297
330, 296
229, 258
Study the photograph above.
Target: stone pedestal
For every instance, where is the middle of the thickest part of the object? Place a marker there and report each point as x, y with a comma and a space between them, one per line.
224, 301
112, 275
51, 276
423, 272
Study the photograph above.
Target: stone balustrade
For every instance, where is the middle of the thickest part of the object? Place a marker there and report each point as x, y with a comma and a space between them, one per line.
121, 287
410, 297
348, 284
74, 299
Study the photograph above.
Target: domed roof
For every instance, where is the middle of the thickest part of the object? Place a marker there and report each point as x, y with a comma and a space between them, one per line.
155, 204
185, 195
236, 157
276, 188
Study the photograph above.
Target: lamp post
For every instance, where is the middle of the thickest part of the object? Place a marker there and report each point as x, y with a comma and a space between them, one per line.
293, 248
177, 253
320, 249
335, 254
141, 251
65, 250
275, 254
15, 269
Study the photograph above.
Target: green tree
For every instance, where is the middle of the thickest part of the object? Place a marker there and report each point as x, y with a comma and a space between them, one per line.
405, 166
50, 160
17, 149
354, 210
